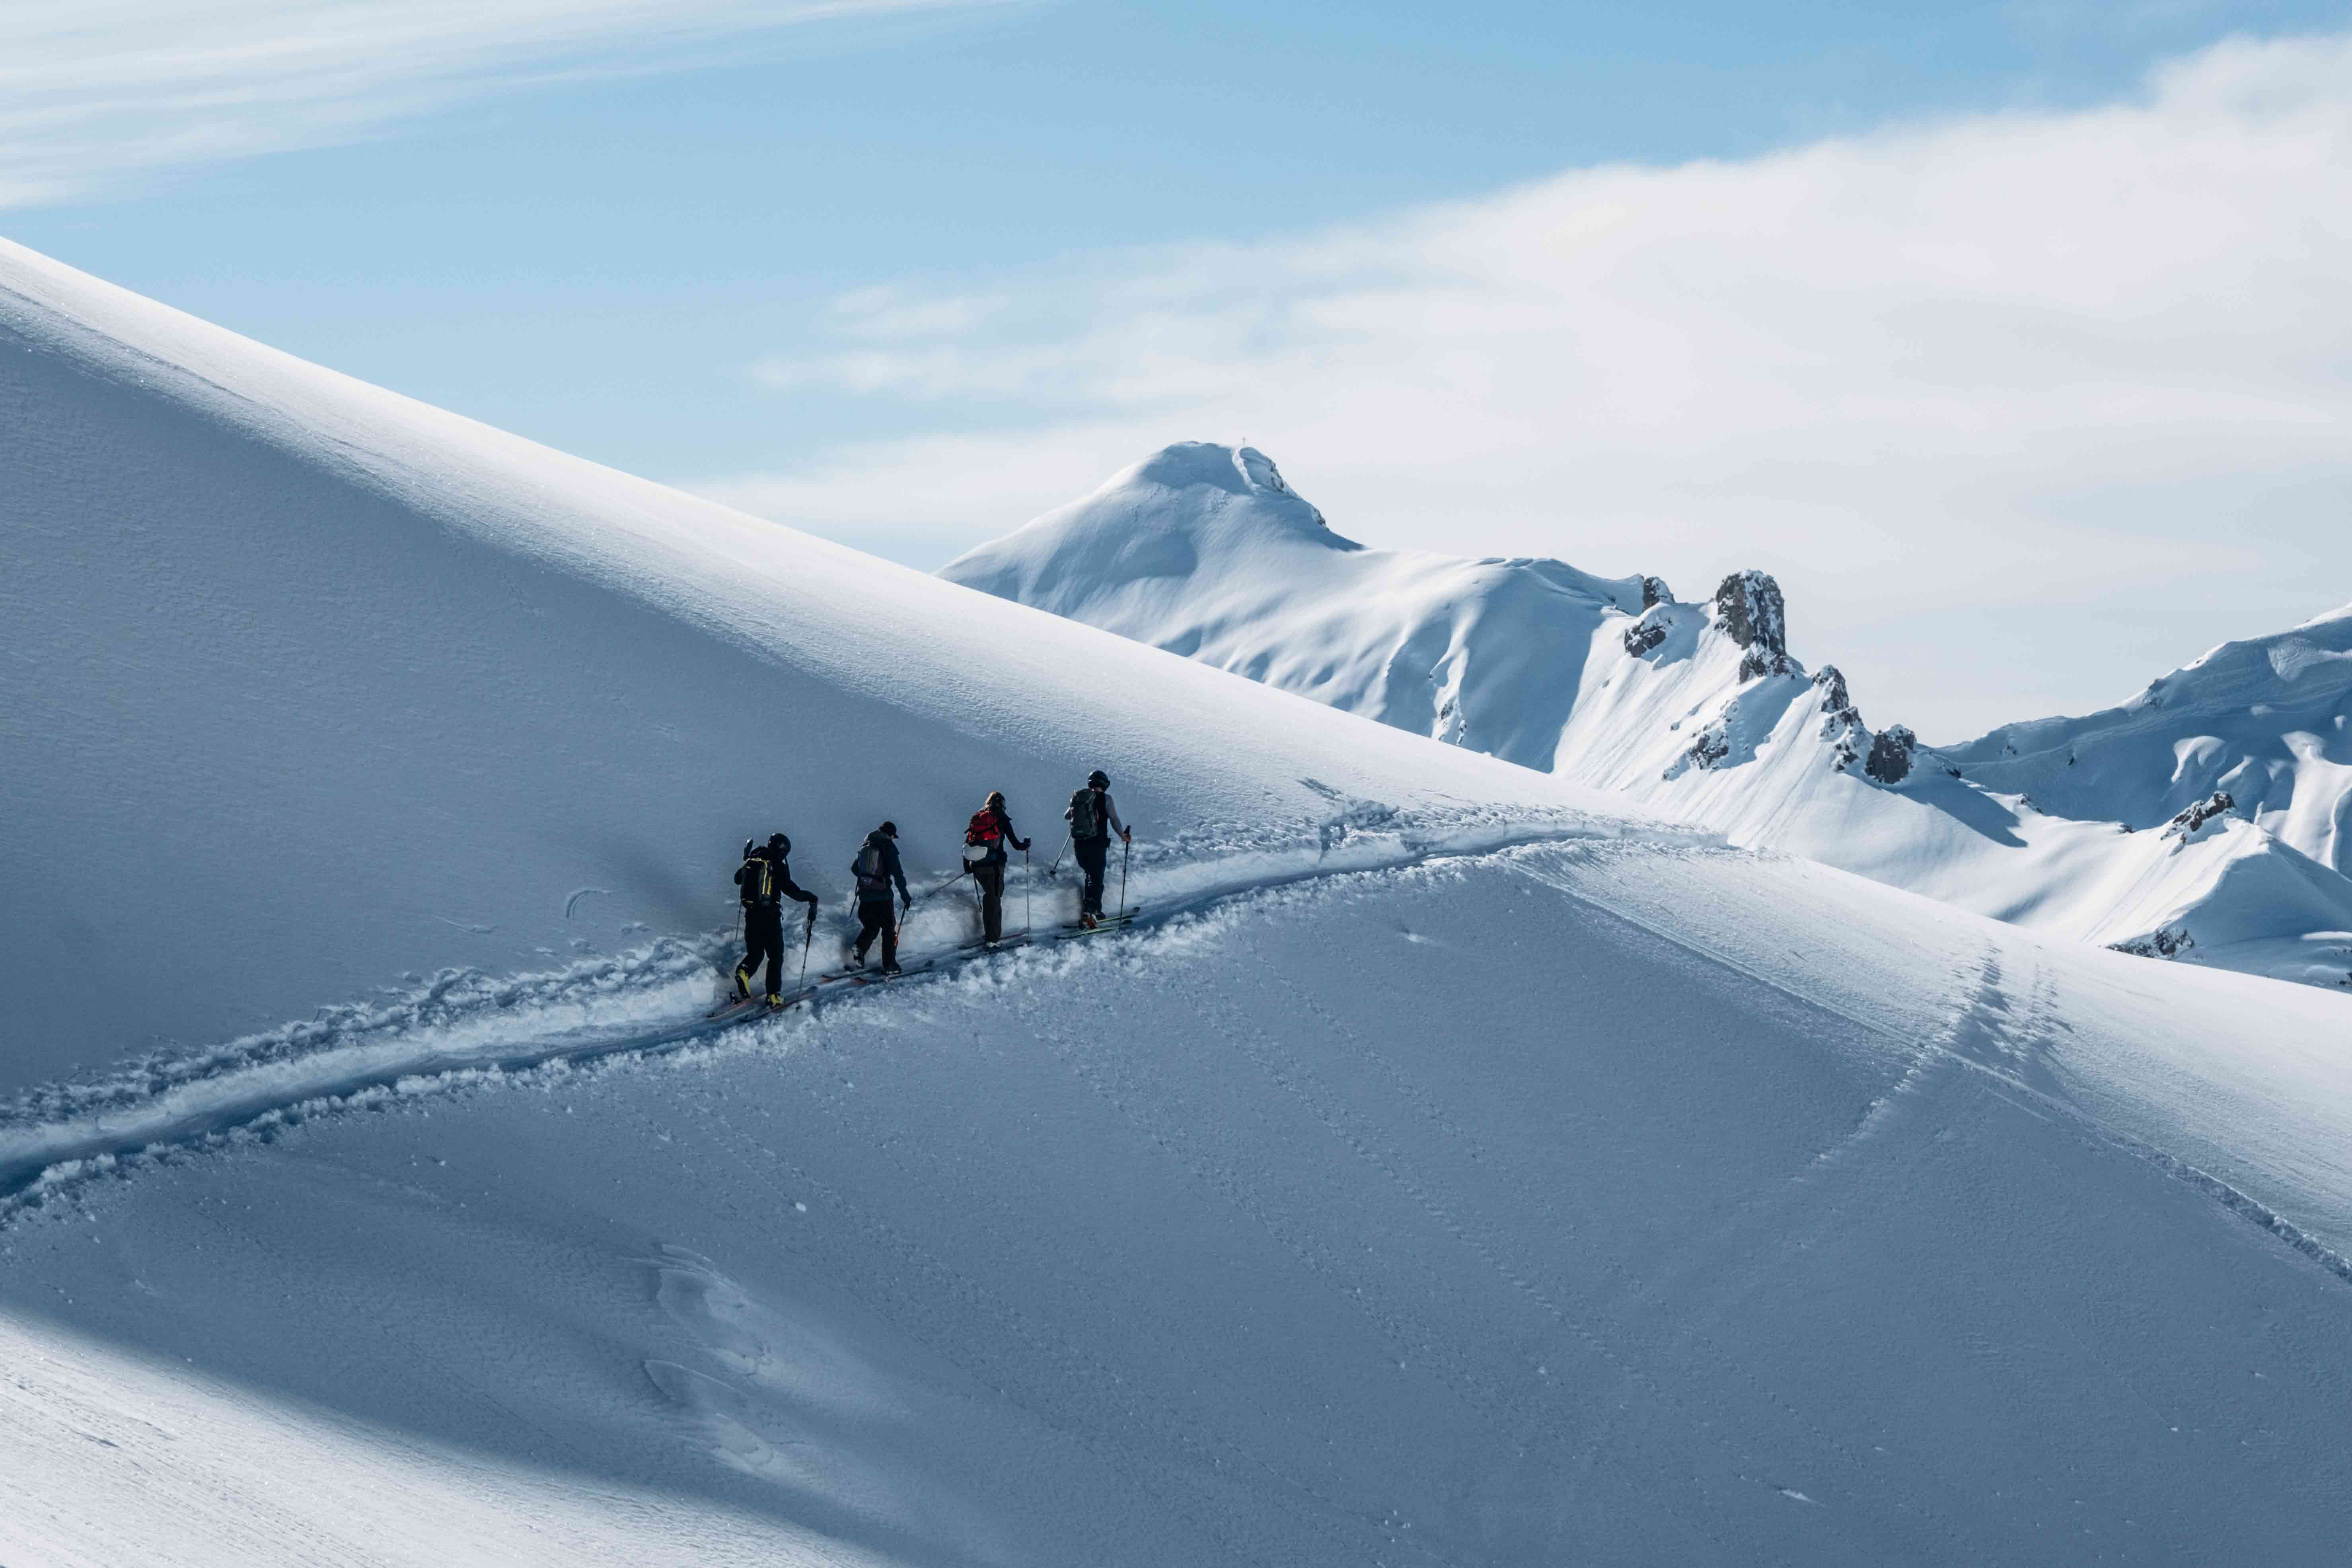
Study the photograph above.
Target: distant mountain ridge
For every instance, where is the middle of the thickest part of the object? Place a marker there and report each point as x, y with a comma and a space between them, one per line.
2210, 818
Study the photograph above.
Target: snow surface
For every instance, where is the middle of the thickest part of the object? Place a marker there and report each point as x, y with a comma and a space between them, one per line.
1453, 1164
1205, 551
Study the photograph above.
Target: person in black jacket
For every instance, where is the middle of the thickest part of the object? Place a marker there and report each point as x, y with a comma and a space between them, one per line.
877, 867
990, 832
1093, 818
766, 880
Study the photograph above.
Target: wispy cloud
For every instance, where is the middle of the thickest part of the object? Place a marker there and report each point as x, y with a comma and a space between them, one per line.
2030, 355
95, 89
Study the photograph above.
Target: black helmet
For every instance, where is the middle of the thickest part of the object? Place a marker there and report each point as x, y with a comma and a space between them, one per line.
1098, 779
780, 844
888, 828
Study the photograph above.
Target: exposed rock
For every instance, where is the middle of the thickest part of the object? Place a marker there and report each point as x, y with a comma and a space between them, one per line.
1890, 755
1654, 592
1842, 726
1644, 635
2184, 825
1714, 744
2162, 942
1750, 608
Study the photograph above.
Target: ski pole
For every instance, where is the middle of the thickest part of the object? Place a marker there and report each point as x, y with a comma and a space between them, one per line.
951, 883
1028, 875
1126, 848
1058, 857
808, 934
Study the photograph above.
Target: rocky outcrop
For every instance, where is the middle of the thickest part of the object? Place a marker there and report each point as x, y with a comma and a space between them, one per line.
1841, 727
1713, 744
2184, 825
2159, 943
1890, 755
1644, 635
1752, 614
1654, 592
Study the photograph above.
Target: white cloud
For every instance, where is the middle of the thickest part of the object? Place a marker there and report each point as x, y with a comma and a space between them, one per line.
2095, 360
95, 89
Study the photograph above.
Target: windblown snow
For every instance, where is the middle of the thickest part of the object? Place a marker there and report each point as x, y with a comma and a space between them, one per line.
1453, 1163
2208, 819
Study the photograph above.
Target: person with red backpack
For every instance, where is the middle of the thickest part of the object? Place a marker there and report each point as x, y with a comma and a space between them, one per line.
989, 832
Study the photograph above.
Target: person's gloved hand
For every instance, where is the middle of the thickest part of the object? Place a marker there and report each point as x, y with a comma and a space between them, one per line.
1127, 836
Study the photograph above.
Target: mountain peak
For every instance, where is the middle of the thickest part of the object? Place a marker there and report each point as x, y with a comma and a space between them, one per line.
1247, 475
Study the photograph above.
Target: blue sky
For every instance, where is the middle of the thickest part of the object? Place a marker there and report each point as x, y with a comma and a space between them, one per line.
612, 243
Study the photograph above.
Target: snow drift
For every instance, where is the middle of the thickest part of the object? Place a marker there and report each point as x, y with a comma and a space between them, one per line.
1457, 1165
1700, 710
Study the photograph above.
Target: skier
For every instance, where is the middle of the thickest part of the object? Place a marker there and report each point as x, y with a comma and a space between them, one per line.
766, 880
877, 867
990, 833
1092, 819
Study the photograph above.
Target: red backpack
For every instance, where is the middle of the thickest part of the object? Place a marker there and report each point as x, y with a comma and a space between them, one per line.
983, 830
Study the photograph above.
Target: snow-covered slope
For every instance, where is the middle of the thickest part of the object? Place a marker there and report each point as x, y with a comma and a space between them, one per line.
1450, 1165
1699, 710
312, 691
1573, 1204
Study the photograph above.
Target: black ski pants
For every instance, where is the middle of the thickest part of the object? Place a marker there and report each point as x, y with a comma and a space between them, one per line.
990, 875
763, 937
878, 916
1094, 855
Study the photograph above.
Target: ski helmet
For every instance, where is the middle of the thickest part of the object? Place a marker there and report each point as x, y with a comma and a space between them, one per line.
1098, 779
888, 829
780, 844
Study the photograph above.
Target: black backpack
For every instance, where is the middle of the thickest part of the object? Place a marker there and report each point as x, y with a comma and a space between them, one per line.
1085, 815
757, 880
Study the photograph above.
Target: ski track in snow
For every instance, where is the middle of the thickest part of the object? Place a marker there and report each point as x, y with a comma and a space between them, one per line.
1992, 1038
466, 1029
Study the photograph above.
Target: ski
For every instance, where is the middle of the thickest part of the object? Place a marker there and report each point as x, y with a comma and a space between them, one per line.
1103, 923
981, 945
751, 1006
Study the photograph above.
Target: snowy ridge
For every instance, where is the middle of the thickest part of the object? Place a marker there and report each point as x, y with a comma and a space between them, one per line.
378, 691
1205, 551
1700, 710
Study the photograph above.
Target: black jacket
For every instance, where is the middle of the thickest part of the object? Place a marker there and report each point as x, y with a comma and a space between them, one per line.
784, 888
890, 867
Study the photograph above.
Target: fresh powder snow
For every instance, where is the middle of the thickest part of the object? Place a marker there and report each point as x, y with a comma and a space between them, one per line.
1454, 1162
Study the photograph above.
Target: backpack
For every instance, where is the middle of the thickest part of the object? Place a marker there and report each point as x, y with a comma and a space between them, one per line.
757, 880
873, 872
983, 830
1086, 815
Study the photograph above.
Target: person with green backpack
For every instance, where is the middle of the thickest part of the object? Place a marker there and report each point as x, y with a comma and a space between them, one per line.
1093, 818
763, 881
